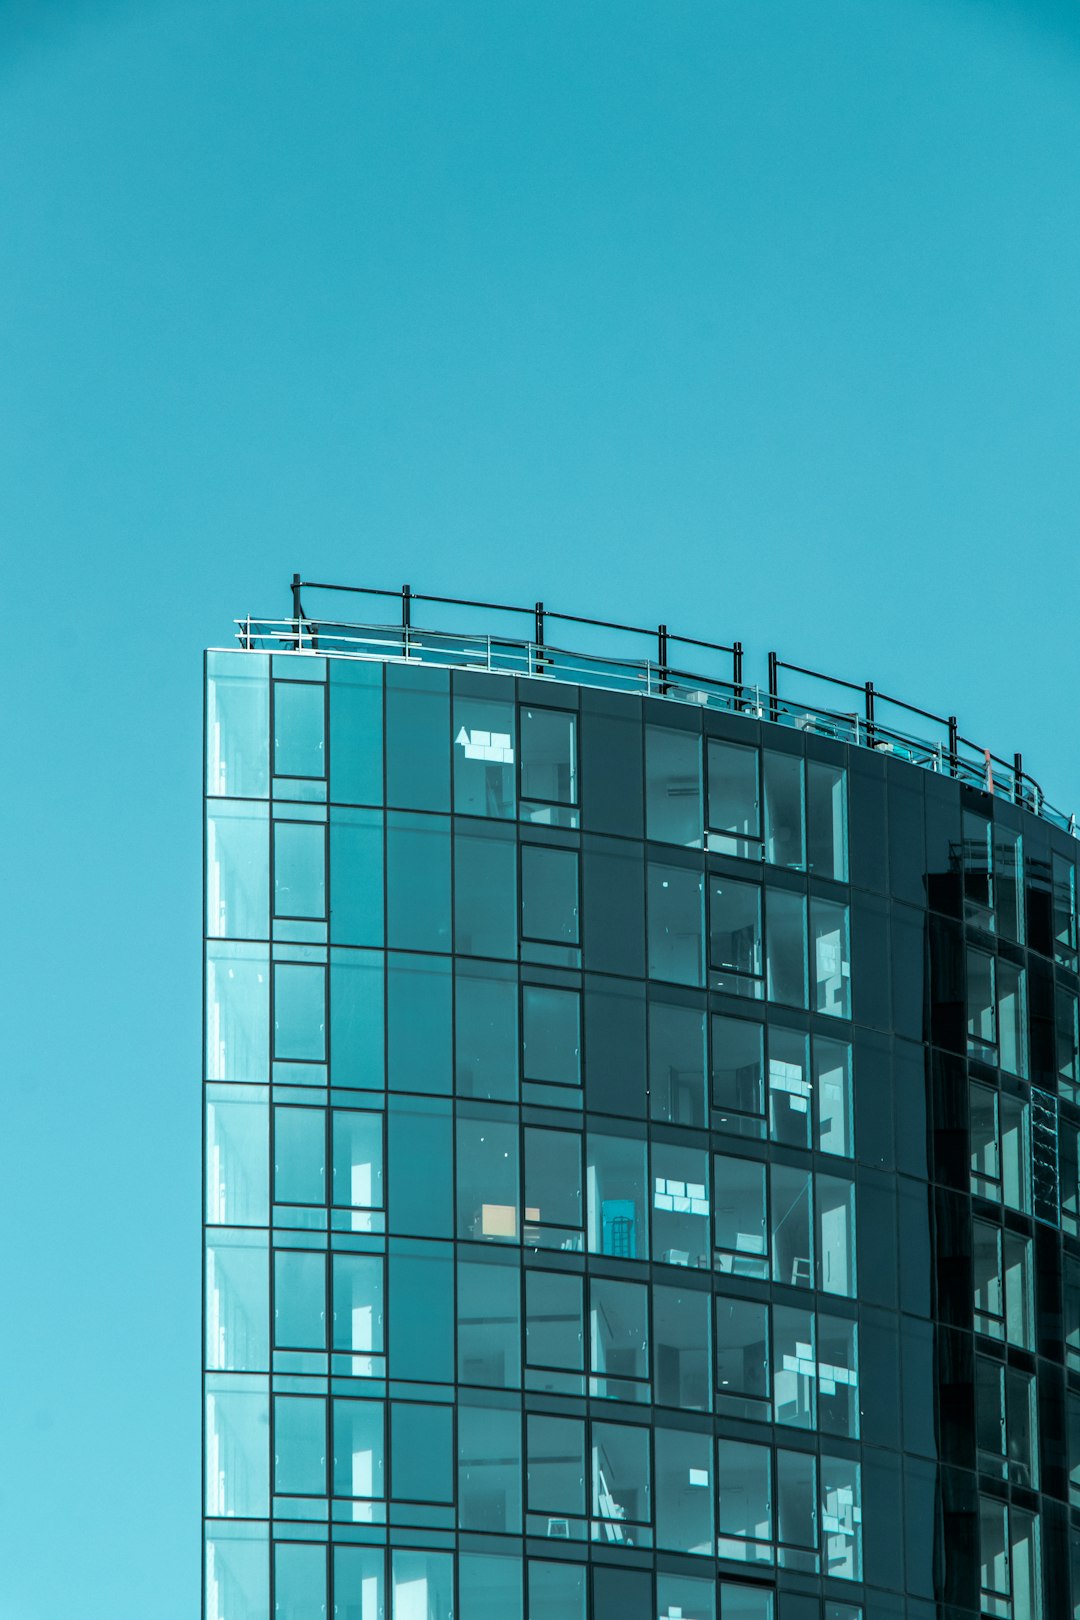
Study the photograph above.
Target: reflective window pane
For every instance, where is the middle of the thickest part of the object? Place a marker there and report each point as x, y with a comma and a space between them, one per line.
673, 809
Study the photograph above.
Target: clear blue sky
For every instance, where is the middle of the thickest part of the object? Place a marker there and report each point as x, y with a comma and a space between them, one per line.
757, 316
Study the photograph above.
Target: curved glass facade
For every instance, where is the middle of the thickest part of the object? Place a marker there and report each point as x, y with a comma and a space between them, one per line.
642, 1164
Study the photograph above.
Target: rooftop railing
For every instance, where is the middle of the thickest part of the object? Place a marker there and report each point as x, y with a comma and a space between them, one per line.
651, 663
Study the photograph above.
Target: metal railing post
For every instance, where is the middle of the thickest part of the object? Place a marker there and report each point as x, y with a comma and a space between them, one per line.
406, 617
297, 609
1018, 778
662, 656
774, 686
737, 660
870, 714
954, 745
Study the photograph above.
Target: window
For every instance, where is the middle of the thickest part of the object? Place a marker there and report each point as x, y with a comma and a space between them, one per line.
358, 1454
1069, 1145
734, 799
673, 808
616, 1197
743, 1362
745, 1509
981, 1006
1071, 1299
554, 1332
299, 1300
618, 1340
299, 1445
483, 757
421, 1452
1006, 1422
485, 890
237, 1156
1068, 1043
488, 1319
237, 870
553, 1212
621, 1484
1004, 1305
300, 869
794, 1368
549, 894
299, 1155
548, 759
831, 972
489, 1468
684, 1491
556, 1591
841, 1518
676, 900
486, 1032
838, 1376
797, 1510
1073, 1447
237, 725
299, 728
790, 1093
682, 1344
826, 820
792, 1225
357, 1165
832, 1094
677, 1063
299, 1579
785, 841
237, 1301
786, 946
740, 1217
299, 1012
735, 946
1011, 1017
422, 1583
978, 870
1000, 1146
1064, 901
555, 1476
738, 1069
1009, 883
551, 1034
488, 1196
680, 1206
1010, 1575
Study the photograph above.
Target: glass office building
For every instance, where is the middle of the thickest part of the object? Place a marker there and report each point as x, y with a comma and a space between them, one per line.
642, 1151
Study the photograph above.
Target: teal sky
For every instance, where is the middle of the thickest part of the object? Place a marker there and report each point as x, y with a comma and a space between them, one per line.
756, 316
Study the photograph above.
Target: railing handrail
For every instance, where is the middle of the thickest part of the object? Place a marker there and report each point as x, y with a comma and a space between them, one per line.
955, 755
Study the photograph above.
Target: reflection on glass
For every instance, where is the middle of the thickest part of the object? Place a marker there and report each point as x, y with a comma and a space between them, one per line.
548, 756
735, 936
786, 947
484, 757
551, 1034
237, 725
785, 843
673, 808
299, 728
831, 958
738, 1084
675, 924
826, 820
743, 1360
677, 1063
734, 799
